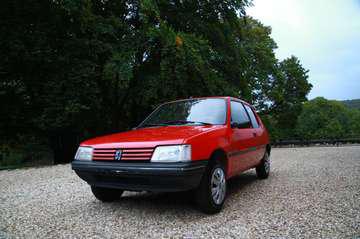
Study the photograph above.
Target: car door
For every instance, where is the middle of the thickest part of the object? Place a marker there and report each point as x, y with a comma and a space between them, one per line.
258, 133
242, 154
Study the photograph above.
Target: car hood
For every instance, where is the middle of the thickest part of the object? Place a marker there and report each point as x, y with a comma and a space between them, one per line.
149, 137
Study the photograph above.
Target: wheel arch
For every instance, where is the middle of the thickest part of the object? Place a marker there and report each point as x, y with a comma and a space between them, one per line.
268, 149
219, 155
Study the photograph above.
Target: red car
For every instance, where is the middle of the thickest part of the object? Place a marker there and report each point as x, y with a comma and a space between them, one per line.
193, 144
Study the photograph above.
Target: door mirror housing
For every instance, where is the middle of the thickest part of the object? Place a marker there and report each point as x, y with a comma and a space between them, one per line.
243, 125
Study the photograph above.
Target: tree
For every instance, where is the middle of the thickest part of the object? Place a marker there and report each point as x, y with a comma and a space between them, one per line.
286, 96
326, 119
289, 92
71, 69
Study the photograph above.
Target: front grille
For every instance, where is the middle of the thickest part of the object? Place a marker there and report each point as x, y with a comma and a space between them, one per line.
143, 154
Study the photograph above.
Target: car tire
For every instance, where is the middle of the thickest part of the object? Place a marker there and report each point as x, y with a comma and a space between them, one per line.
263, 169
106, 194
212, 182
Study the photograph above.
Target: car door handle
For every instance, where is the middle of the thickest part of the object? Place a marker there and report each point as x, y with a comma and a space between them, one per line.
254, 134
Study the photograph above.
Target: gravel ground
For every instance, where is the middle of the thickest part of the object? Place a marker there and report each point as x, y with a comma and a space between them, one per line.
311, 193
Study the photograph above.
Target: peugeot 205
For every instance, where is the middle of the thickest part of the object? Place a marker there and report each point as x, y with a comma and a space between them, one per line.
194, 144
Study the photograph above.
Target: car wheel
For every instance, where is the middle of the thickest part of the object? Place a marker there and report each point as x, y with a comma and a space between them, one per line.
106, 194
263, 169
211, 193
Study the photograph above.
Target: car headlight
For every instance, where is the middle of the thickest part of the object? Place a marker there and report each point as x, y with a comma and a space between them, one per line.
84, 153
173, 153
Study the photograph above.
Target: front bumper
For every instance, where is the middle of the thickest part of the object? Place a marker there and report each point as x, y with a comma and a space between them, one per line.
158, 177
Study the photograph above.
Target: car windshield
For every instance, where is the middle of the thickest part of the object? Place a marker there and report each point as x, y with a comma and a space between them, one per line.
185, 112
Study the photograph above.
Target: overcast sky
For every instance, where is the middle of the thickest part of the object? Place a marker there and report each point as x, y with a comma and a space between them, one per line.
324, 35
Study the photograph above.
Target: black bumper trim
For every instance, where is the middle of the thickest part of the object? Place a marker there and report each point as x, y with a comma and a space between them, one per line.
141, 176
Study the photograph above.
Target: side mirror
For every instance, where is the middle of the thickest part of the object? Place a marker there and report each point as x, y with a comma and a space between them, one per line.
234, 125
243, 125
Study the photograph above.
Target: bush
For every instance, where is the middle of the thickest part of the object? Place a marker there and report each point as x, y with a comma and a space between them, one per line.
10, 157
34, 153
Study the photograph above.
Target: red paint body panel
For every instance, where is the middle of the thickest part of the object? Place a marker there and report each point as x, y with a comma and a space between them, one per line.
244, 148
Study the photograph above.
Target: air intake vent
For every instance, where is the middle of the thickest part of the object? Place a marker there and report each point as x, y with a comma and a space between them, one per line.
127, 154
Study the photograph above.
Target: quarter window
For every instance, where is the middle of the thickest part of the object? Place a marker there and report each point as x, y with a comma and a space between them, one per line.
238, 113
253, 119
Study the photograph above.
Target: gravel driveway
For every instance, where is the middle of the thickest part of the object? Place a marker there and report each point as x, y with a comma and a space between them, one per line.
311, 193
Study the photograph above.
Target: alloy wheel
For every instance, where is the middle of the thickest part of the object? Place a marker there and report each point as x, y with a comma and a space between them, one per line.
267, 163
218, 186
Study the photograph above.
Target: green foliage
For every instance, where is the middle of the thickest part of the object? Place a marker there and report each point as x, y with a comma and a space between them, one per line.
286, 94
353, 104
326, 119
17, 155
10, 157
289, 92
72, 69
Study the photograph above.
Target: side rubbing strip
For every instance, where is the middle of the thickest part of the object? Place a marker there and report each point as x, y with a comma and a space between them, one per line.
244, 151
239, 152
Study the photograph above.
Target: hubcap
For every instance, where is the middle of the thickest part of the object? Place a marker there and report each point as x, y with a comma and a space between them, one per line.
218, 186
267, 163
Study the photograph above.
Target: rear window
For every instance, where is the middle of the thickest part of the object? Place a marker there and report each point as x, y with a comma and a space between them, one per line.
253, 119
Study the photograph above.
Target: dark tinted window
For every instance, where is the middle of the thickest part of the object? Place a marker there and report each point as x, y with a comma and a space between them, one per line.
238, 113
210, 111
252, 117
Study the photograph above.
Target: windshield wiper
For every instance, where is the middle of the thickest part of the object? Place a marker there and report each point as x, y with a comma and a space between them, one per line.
185, 122
173, 122
150, 125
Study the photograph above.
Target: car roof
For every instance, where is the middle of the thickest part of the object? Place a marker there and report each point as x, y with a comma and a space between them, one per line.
210, 97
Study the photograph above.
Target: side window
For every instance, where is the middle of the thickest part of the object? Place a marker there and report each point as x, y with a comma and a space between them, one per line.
253, 119
238, 113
